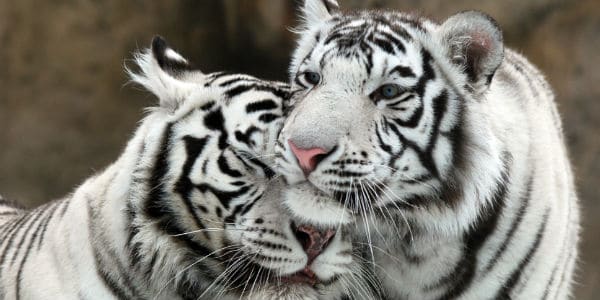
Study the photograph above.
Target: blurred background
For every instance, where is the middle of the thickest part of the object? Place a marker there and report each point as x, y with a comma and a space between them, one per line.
65, 111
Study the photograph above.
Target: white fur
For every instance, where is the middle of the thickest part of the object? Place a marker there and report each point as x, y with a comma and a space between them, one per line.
510, 126
89, 232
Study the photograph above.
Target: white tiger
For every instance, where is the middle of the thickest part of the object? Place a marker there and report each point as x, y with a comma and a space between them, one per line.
190, 210
447, 144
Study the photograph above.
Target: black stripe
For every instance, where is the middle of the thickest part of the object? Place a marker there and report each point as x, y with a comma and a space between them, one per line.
567, 250
236, 79
65, 206
428, 73
250, 204
112, 285
226, 169
224, 197
45, 223
117, 277
524, 204
231, 218
513, 279
9, 213
268, 118
399, 45
266, 104
184, 186
153, 205
385, 46
267, 171
7, 227
37, 214
11, 234
463, 274
215, 121
47, 213
403, 71
151, 265
234, 92
207, 106
215, 76
244, 137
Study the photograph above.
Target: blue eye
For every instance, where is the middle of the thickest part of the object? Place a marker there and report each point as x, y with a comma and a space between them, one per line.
312, 77
389, 91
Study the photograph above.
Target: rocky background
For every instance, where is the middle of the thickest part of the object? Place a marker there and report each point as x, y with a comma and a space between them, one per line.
65, 111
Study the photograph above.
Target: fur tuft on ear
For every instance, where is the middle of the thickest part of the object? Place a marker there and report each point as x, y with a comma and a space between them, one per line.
160, 72
474, 42
315, 11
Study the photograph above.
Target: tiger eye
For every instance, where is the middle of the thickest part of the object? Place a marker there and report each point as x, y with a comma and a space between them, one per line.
312, 77
389, 91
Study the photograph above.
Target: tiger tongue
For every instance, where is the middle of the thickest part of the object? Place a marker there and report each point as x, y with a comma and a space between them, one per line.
306, 276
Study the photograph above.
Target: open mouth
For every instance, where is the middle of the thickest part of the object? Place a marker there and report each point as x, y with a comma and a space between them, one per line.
305, 276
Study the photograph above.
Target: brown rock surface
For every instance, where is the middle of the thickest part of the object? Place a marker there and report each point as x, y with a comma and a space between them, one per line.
65, 112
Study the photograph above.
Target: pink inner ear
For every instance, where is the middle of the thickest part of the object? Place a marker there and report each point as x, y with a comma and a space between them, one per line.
482, 42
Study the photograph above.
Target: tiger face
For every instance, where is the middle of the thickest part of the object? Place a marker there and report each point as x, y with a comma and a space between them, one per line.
212, 223
381, 120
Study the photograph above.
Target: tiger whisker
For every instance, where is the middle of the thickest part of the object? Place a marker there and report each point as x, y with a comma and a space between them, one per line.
189, 266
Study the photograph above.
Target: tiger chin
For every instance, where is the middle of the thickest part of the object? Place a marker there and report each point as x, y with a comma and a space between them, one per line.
190, 210
446, 146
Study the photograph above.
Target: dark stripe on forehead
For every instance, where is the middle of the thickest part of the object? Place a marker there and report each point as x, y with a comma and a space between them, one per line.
282, 93
214, 76
393, 40
428, 72
238, 78
384, 45
413, 21
403, 71
266, 104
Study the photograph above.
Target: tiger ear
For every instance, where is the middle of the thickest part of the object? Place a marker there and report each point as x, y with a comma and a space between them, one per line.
315, 11
168, 59
474, 43
161, 72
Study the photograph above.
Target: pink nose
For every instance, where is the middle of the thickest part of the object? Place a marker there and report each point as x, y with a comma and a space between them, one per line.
307, 158
313, 240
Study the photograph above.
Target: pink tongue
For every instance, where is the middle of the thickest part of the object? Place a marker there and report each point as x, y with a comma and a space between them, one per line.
306, 157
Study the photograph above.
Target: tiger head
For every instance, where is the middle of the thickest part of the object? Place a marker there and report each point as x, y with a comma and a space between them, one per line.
208, 221
387, 119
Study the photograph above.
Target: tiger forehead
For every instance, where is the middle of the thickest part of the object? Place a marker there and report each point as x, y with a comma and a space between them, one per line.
353, 29
380, 42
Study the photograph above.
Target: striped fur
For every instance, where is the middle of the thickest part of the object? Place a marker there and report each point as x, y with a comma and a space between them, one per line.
8, 210
190, 210
448, 145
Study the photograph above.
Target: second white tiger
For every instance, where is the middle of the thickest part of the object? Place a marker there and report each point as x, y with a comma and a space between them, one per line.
449, 145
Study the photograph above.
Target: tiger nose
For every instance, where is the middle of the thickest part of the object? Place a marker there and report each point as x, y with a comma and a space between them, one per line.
313, 240
308, 158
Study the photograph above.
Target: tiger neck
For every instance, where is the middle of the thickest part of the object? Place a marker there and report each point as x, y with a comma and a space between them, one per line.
107, 201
